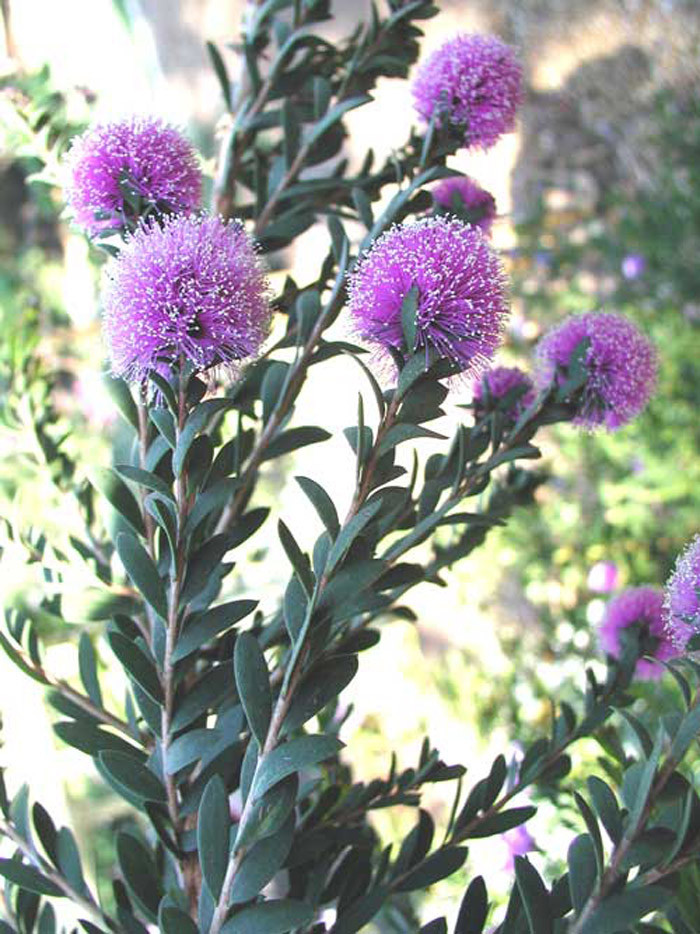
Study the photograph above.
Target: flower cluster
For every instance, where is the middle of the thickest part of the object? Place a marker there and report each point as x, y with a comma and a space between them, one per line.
466, 199
189, 287
476, 82
682, 603
501, 383
461, 288
140, 156
620, 364
638, 609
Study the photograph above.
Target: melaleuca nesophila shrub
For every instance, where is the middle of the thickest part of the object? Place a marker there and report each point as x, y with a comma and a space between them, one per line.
246, 819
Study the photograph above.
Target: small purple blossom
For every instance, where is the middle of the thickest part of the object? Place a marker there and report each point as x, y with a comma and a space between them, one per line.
477, 80
620, 362
500, 382
682, 604
518, 841
461, 289
189, 287
466, 199
633, 266
602, 577
642, 609
148, 156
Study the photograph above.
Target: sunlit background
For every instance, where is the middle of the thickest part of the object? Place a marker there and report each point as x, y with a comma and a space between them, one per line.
599, 206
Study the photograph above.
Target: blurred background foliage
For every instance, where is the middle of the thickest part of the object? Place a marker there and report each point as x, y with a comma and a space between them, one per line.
607, 216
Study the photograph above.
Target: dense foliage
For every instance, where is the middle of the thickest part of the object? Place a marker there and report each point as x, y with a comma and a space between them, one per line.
247, 819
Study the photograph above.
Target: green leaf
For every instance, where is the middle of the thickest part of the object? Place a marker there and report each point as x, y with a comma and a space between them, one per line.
298, 560
293, 439
262, 862
403, 432
607, 808
618, 912
203, 564
127, 772
322, 96
361, 912
474, 909
414, 368
322, 503
137, 665
210, 625
296, 605
124, 401
142, 571
270, 917
119, 496
145, 479
86, 736
685, 734
213, 825
87, 662
363, 206
645, 782
593, 830
46, 831
28, 878
409, 317
437, 866
645, 741
173, 921
583, 871
534, 897
274, 382
189, 748
193, 426
494, 782
349, 533
500, 823
292, 756
140, 874
212, 500
69, 860
47, 921
438, 926
291, 129
165, 424
166, 390
318, 688
253, 684
221, 73
208, 692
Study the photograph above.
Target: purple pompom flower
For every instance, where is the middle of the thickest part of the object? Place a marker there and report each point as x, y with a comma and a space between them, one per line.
477, 80
190, 287
141, 154
620, 363
461, 291
642, 609
682, 604
502, 381
466, 199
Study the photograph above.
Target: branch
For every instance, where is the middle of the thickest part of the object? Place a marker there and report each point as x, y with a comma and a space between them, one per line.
87, 902
292, 677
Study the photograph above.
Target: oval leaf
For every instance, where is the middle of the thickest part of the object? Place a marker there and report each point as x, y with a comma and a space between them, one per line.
213, 834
